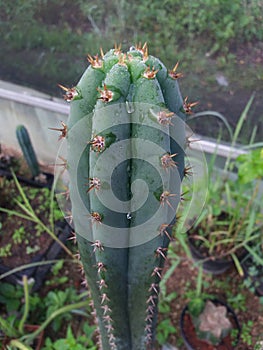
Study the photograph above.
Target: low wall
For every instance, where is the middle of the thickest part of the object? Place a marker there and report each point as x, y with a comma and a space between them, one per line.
38, 112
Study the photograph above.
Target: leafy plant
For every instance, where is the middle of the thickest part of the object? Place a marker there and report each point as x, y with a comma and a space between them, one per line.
246, 332
250, 166
81, 342
10, 296
13, 326
253, 265
232, 217
164, 330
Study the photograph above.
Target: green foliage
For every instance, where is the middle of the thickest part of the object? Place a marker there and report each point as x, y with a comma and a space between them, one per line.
54, 308
250, 166
57, 278
165, 302
10, 296
19, 235
232, 216
246, 332
237, 301
81, 342
57, 299
30, 28
45, 222
164, 330
6, 250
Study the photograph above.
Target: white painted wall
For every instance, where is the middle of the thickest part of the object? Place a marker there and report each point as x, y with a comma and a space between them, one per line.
38, 112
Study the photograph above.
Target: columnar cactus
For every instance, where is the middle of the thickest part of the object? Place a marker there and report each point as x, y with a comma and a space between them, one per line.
24, 141
126, 141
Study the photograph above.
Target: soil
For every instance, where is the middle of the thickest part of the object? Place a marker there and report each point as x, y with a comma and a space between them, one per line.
225, 287
24, 241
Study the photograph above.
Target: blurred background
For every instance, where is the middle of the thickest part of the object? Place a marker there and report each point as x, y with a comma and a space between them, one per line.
218, 43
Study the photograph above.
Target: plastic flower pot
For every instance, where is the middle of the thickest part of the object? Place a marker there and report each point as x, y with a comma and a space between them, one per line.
211, 264
191, 340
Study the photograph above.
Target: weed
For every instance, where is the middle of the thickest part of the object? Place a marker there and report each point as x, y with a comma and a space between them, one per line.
246, 332
164, 329
5, 251
81, 342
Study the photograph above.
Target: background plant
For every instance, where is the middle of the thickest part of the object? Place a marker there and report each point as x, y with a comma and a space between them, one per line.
27, 212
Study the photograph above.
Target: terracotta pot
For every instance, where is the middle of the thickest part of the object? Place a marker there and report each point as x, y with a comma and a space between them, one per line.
192, 342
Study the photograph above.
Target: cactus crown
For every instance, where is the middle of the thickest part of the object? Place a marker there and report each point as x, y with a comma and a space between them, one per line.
126, 140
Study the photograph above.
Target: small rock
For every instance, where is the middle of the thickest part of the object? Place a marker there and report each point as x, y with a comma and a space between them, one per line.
222, 80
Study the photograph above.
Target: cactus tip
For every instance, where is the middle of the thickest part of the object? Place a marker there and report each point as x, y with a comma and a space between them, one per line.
163, 230
96, 217
160, 251
187, 106
187, 171
97, 143
94, 183
164, 117
106, 95
167, 160
117, 49
150, 73
164, 198
143, 49
71, 93
173, 74
63, 130
95, 61
97, 245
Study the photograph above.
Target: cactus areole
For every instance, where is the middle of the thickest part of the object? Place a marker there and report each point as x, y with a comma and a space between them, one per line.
126, 139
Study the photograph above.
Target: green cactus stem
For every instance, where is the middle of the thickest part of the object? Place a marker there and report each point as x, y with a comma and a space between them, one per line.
27, 150
126, 141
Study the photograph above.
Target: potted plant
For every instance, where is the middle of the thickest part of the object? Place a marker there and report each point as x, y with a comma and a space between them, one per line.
28, 169
207, 323
229, 222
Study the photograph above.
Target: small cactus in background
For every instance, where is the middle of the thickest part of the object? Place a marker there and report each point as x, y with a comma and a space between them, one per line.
126, 141
28, 150
212, 323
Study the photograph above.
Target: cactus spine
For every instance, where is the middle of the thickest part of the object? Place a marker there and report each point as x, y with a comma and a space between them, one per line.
125, 124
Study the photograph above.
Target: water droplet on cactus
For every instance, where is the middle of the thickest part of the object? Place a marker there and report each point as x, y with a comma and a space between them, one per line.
129, 107
129, 216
